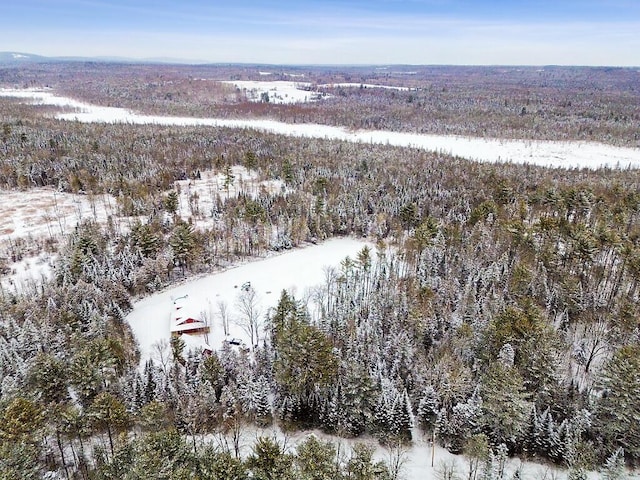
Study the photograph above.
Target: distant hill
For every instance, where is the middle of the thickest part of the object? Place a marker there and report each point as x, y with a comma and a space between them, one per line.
18, 58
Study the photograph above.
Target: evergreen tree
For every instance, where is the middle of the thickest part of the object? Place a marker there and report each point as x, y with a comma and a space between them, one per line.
614, 467
262, 404
427, 412
269, 461
19, 461
304, 362
149, 393
171, 202
618, 409
316, 460
144, 238
454, 428
505, 406
183, 245
217, 465
361, 466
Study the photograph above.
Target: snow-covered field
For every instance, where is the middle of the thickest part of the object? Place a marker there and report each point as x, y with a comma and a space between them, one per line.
45, 213
277, 91
298, 271
544, 153
41, 214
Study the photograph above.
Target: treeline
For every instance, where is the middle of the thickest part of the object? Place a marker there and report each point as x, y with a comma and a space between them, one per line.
504, 319
551, 103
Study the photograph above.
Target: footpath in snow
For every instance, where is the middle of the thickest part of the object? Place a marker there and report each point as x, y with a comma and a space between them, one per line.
544, 153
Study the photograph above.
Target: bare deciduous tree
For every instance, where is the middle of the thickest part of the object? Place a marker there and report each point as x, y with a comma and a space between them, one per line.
250, 318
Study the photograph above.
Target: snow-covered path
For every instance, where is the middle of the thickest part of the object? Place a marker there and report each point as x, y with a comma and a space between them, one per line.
544, 153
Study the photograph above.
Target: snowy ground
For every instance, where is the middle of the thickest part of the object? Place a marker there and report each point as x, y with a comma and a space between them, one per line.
212, 184
278, 91
544, 153
38, 215
415, 460
298, 271
45, 213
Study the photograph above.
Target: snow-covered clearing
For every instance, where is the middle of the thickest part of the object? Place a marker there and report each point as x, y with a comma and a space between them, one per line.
277, 91
40, 214
298, 271
414, 461
545, 153
198, 198
47, 212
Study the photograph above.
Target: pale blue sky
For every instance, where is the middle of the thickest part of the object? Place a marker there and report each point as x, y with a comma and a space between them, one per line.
527, 32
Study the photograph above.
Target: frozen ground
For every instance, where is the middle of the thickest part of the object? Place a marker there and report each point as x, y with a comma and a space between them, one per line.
40, 214
298, 271
198, 198
545, 153
277, 91
47, 212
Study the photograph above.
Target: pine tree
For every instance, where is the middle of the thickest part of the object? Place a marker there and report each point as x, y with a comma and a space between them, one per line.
427, 412
316, 460
149, 393
618, 409
171, 202
183, 245
454, 428
402, 418
614, 467
305, 363
269, 461
505, 406
145, 239
262, 403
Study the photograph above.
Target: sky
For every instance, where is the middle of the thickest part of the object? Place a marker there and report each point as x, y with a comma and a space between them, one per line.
454, 32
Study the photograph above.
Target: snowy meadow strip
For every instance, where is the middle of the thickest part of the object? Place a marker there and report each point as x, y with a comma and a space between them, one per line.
572, 154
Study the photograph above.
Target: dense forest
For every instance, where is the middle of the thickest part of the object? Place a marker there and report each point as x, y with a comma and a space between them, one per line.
552, 103
498, 312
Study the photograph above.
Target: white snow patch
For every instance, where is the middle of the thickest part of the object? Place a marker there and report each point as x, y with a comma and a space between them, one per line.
47, 212
197, 198
18, 55
297, 271
277, 91
570, 154
28, 271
